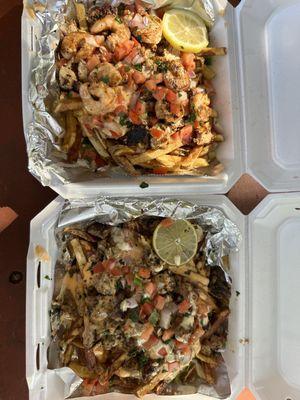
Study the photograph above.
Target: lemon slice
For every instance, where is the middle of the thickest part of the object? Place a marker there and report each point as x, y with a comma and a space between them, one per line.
185, 30
175, 241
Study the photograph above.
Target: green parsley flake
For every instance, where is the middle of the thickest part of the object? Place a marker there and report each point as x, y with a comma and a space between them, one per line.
161, 66
144, 185
138, 67
154, 317
118, 19
48, 277
105, 79
133, 314
137, 281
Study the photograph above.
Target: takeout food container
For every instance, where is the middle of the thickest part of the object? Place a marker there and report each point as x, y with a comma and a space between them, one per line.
263, 348
257, 101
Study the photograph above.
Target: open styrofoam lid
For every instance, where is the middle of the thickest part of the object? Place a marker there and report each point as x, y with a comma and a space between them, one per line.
269, 32
274, 318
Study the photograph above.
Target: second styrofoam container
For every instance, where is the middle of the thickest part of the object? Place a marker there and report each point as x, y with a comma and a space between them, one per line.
263, 349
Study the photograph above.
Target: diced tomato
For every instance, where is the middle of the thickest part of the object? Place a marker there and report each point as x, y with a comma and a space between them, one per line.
123, 49
162, 352
171, 96
92, 62
156, 133
159, 302
167, 222
129, 278
138, 77
147, 332
126, 269
146, 310
186, 134
116, 272
188, 62
196, 124
140, 107
98, 268
150, 288
184, 306
120, 110
153, 340
160, 171
89, 154
144, 273
129, 58
167, 334
175, 108
150, 85
176, 136
160, 93
109, 263
115, 134
134, 118
173, 366
99, 161
181, 345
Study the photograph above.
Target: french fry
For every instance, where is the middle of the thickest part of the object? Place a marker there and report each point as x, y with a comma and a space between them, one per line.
153, 154
70, 133
81, 16
98, 143
213, 51
78, 251
68, 105
168, 160
80, 233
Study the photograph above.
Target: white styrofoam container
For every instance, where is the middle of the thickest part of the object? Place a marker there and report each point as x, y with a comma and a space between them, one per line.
266, 273
258, 100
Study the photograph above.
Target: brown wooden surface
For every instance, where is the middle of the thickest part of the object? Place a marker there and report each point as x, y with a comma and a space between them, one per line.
20, 191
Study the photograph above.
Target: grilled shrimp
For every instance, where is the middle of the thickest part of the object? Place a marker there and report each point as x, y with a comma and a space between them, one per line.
67, 78
106, 71
200, 103
80, 45
176, 78
109, 23
152, 32
107, 98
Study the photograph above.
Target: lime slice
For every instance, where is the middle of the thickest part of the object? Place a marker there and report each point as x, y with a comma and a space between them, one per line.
185, 30
175, 241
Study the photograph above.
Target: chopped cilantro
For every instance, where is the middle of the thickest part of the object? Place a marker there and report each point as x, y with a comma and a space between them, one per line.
118, 19
70, 94
144, 185
237, 293
139, 38
167, 341
133, 314
138, 67
119, 285
133, 352
123, 120
145, 300
105, 79
154, 317
161, 66
180, 94
192, 117
48, 277
127, 68
137, 281
142, 359
208, 61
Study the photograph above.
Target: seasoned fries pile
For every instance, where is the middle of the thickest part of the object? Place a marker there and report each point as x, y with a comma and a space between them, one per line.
129, 99
125, 320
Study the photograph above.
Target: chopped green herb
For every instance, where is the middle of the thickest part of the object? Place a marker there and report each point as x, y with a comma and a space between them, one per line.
123, 120
137, 281
142, 359
237, 293
192, 117
144, 185
48, 277
161, 66
139, 38
127, 68
105, 79
138, 67
70, 94
119, 285
118, 19
85, 141
180, 94
208, 61
167, 341
154, 317
134, 315
145, 300
133, 352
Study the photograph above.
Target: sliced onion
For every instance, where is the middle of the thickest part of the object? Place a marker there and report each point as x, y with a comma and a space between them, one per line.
128, 303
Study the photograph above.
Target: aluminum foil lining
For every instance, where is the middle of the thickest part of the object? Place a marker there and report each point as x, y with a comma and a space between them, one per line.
46, 162
222, 237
